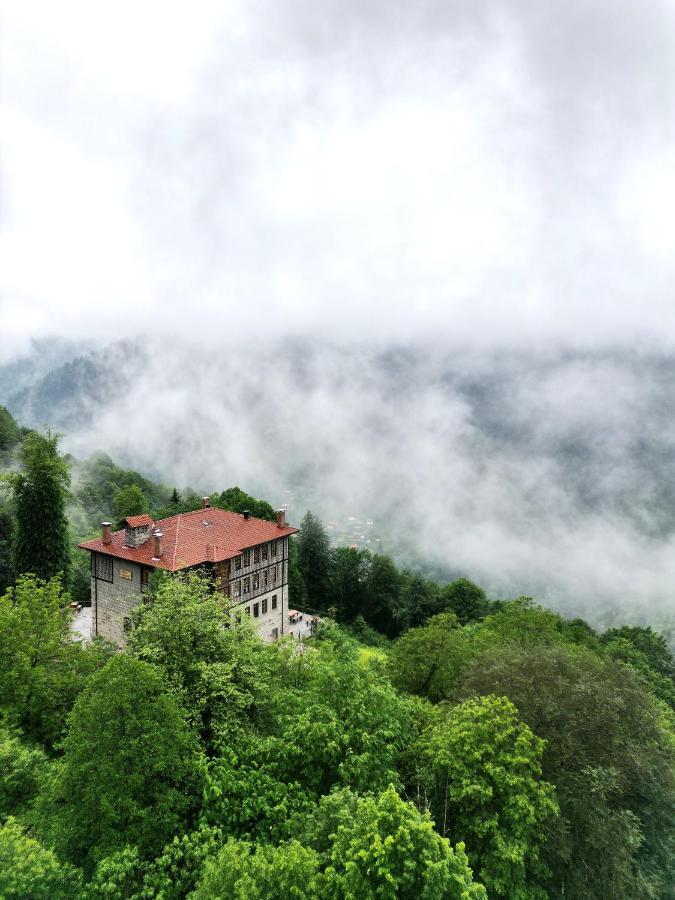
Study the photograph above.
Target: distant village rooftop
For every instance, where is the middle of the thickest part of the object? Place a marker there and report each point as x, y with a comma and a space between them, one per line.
207, 535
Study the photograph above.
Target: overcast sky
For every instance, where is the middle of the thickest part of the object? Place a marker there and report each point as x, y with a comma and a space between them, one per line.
476, 172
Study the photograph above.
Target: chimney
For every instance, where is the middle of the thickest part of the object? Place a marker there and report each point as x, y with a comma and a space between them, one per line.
107, 536
158, 545
206, 503
281, 518
247, 513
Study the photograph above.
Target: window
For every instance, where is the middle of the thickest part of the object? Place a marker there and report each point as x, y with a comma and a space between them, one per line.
102, 567
273, 574
145, 574
237, 563
256, 610
275, 634
263, 551
256, 554
236, 589
274, 601
256, 581
247, 585
265, 577
264, 605
247, 557
273, 548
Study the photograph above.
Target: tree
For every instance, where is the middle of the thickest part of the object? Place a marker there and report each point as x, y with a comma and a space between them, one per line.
383, 847
219, 674
175, 497
239, 501
41, 542
130, 768
465, 599
9, 430
129, 501
245, 871
648, 642
314, 561
384, 588
418, 600
609, 754
486, 788
349, 572
42, 669
27, 869
21, 771
428, 661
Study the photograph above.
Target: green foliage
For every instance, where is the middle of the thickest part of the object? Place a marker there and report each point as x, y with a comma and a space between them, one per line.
609, 753
428, 661
383, 847
465, 599
6, 542
29, 870
349, 572
647, 642
130, 766
129, 501
523, 623
484, 782
314, 560
244, 871
41, 668
219, 674
239, 501
22, 769
9, 430
418, 600
41, 537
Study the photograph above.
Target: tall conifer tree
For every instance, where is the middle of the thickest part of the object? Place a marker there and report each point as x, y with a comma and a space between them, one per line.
41, 543
314, 561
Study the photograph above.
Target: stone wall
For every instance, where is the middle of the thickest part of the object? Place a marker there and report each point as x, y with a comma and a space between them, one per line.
112, 602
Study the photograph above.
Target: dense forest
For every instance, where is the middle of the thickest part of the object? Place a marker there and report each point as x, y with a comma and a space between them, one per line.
428, 742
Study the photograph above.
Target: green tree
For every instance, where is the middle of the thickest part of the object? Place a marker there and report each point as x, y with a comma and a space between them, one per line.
245, 871
383, 847
609, 753
418, 598
21, 771
9, 430
428, 661
485, 785
349, 574
29, 870
175, 497
130, 768
648, 642
129, 501
41, 668
219, 674
239, 501
465, 599
6, 541
315, 561
41, 540
384, 589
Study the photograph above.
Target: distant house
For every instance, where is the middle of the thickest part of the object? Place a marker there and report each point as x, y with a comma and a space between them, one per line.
247, 557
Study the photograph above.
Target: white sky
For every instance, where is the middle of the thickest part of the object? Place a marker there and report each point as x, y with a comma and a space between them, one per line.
498, 174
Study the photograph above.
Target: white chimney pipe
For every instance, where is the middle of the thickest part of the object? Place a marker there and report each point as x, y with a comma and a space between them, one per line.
158, 545
107, 536
281, 518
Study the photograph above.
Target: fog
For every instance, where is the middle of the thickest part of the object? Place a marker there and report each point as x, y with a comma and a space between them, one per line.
411, 263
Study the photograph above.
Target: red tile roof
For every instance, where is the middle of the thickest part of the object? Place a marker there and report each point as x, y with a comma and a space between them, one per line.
138, 521
189, 539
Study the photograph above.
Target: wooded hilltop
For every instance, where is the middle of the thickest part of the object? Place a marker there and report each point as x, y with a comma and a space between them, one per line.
427, 742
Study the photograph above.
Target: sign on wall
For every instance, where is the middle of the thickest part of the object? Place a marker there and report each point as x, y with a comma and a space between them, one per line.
125, 573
